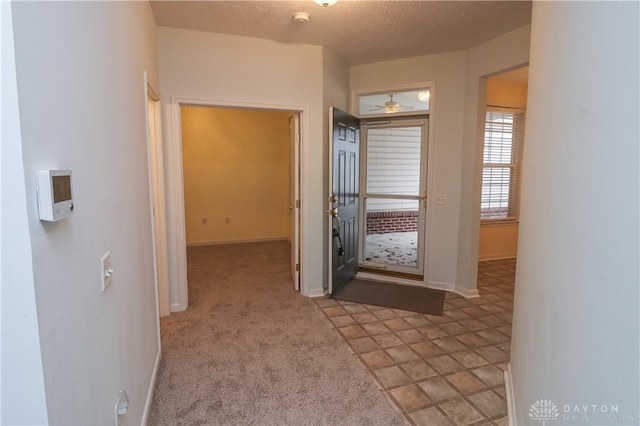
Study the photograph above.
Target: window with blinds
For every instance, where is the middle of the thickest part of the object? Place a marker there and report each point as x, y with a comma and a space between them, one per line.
503, 134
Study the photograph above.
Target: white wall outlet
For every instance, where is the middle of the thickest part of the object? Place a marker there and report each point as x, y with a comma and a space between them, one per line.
106, 271
441, 199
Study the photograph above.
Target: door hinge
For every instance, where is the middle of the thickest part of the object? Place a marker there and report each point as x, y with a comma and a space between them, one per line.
297, 204
297, 267
297, 137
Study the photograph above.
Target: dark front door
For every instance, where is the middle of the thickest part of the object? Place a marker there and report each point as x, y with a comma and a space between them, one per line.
345, 196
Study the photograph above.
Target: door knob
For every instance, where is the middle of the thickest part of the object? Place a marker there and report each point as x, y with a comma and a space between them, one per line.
334, 213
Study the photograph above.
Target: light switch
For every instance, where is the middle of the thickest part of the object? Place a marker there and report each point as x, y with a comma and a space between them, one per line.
106, 271
441, 199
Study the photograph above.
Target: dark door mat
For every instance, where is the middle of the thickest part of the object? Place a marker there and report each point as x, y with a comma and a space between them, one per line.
396, 296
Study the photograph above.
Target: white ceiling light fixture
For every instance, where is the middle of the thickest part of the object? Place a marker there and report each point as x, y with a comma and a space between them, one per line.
301, 17
325, 3
424, 96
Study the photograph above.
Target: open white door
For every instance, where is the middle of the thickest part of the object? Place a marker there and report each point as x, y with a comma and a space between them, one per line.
156, 180
294, 198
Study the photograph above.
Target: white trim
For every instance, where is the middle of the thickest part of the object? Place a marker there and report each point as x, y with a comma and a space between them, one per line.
178, 236
155, 166
437, 285
329, 205
511, 402
466, 293
372, 276
318, 292
498, 256
152, 385
247, 241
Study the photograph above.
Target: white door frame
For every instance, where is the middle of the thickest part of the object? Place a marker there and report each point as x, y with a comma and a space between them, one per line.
179, 237
427, 280
396, 122
155, 165
294, 208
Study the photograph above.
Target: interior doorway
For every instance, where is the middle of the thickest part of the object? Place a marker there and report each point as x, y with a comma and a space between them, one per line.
241, 177
502, 161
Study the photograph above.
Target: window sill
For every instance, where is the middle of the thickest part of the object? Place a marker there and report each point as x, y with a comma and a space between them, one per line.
495, 223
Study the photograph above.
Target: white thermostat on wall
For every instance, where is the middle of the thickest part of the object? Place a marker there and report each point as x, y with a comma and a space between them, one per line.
55, 200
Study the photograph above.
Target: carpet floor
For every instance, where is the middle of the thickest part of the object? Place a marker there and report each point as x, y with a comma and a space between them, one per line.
252, 351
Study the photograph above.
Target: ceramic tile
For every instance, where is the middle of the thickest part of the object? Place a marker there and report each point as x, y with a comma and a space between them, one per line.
465, 382
402, 354
461, 412
445, 364
384, 314
469, 359
334, 311
410, 397
411, 336
391, 377
432, 332
417, 321
489, 403
438, 389
352, 331
354, 308
342, 321
492, 354
430, 417
427, 363
490, 375
373, 328
418, 370
426, 349
364, 317
364, 344
397, 324
450, 344
377, 359
387, 340
453, 328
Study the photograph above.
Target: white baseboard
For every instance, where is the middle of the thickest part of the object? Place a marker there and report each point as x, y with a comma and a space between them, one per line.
177, 307
438, 285
466, 293
246, 241
318, 292
498, 256
511, 403
152, 385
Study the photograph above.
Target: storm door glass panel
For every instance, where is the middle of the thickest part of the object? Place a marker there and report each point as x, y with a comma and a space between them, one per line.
394, 205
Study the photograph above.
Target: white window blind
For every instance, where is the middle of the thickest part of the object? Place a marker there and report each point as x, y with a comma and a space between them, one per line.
503, 136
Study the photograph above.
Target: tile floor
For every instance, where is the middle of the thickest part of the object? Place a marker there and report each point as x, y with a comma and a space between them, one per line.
439, 370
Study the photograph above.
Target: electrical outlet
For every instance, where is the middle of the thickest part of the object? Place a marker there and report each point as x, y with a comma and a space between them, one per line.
106, 271
441, 199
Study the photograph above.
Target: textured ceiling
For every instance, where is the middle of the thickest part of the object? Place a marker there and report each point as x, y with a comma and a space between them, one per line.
357, 31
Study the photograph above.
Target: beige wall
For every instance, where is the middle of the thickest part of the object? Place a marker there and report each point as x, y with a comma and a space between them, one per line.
500, 240
576, 312
80, 73
230, 70
453, 235
236, 174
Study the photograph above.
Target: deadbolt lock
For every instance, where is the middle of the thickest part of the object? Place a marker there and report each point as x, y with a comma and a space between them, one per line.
334, 198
